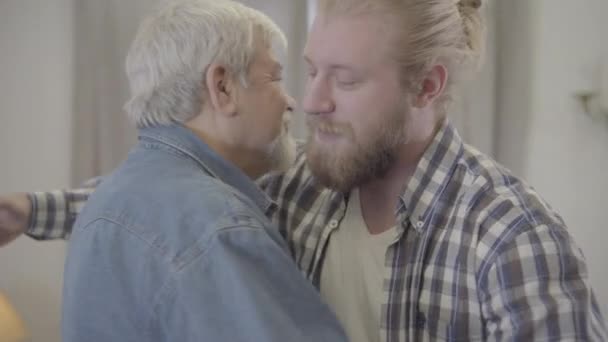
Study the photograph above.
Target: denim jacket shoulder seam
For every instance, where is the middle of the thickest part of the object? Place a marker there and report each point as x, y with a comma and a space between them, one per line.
120, 225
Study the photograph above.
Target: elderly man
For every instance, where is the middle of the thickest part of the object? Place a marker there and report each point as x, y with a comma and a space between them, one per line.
408, 233
175, 244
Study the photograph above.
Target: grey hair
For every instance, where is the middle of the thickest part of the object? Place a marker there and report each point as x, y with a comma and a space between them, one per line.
174, 47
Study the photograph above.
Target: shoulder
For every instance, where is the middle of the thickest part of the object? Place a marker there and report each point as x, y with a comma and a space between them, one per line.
174, 214
503, 209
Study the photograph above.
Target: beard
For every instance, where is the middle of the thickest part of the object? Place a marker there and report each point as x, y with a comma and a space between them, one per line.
281, 153
364, 158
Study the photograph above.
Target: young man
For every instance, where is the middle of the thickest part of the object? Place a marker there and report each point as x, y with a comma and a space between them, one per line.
408, 233
175, 244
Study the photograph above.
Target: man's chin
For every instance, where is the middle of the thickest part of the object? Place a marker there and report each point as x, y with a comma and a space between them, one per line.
325, 167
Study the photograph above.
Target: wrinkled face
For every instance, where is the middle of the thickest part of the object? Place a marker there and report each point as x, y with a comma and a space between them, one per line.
357, 109
264, 108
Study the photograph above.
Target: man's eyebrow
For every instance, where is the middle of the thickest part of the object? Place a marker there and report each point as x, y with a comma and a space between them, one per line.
332, 66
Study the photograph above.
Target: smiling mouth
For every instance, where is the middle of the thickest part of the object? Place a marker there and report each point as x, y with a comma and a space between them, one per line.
329, 134
329, 129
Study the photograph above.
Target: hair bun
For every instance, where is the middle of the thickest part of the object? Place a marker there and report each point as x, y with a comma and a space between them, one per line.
475, 4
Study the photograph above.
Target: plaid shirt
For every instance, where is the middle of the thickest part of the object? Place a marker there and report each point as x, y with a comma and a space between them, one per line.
480, 256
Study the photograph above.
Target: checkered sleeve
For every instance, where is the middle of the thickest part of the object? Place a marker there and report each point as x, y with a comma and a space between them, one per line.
54, 212
537, 289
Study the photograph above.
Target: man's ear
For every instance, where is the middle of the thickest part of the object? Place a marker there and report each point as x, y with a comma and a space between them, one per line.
433, 85
221, 89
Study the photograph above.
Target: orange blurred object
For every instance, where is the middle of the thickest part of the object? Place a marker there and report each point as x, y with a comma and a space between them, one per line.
12, 328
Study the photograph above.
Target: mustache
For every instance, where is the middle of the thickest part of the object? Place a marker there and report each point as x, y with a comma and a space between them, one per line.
328, 126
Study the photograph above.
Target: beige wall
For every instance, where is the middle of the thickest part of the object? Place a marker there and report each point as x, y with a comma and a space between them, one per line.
35, 115
549, 51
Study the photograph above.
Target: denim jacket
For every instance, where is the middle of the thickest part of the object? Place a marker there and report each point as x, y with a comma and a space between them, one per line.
174, 246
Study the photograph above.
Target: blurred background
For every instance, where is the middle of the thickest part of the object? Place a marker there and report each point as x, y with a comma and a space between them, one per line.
62, 88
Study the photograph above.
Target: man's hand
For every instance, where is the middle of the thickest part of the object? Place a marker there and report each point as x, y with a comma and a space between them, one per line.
15, 210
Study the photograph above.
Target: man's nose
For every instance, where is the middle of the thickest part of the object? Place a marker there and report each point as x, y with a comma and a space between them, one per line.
317, 99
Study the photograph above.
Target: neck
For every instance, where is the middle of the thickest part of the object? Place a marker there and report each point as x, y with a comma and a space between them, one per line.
379, 197
253, 163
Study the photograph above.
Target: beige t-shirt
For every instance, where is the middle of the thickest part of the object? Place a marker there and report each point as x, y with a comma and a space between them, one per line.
353, 274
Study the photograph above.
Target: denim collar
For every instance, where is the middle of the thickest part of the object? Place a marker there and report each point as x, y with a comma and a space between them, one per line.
182, 139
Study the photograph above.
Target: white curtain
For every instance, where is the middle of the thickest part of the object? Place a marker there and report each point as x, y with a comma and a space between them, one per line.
474, 112
102, 134
104, 30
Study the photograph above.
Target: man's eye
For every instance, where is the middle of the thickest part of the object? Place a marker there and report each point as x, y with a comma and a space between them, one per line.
346, 83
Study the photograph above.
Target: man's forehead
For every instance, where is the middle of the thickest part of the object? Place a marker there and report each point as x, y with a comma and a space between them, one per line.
267, 59
344, 41
352, 28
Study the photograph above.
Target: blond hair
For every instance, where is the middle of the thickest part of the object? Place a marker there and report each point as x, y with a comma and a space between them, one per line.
174, 47
450, 32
